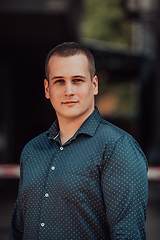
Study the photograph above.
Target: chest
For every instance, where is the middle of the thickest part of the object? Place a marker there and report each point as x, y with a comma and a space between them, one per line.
68, 172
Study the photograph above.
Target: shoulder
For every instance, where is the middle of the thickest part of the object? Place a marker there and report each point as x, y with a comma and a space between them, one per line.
36, 144
112, 133
118, 140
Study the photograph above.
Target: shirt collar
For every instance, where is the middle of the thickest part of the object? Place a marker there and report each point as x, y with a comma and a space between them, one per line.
53, 131
88, 127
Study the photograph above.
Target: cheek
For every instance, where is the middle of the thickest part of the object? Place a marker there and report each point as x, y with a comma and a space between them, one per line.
85, 92
54, 99
55, 94
88, 93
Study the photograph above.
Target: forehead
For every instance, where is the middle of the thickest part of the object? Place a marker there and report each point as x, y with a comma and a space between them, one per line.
75, 61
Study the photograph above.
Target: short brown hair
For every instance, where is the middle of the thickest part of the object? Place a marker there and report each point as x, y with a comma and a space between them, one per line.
67, 49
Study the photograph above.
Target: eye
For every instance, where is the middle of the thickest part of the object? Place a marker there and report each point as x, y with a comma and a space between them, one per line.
77, 80
59, 81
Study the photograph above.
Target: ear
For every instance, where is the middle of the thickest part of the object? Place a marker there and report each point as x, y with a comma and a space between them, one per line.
95, 85
46, 88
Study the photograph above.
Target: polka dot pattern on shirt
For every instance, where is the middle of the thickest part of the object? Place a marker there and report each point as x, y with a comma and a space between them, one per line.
92, 187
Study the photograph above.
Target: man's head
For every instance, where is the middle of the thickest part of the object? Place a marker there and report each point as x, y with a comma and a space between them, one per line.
70, 49
71, 83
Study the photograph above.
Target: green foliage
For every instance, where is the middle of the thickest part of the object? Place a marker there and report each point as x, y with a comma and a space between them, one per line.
105, 20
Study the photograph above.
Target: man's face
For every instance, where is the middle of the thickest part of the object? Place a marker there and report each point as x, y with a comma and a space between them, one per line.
70, 88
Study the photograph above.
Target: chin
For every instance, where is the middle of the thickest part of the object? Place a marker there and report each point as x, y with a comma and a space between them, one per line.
72, 115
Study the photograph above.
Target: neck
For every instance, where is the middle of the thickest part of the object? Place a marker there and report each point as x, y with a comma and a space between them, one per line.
67, 131
68, 127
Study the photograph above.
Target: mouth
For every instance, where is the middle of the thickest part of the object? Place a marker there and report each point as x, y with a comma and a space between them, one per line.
69, 102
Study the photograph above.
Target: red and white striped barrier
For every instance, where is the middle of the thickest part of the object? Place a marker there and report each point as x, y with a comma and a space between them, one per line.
13, 171
154, 173
9, 171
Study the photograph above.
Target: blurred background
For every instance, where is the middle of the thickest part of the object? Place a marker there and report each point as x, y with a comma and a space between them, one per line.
124, 37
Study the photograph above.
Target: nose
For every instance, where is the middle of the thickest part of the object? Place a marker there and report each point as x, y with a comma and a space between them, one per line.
69, 89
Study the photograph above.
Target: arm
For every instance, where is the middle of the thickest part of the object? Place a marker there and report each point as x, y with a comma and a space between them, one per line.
125, 190
16, 224
16, 232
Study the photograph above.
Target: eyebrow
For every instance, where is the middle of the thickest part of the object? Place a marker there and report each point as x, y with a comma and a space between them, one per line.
76, 76
79, 76
57, 77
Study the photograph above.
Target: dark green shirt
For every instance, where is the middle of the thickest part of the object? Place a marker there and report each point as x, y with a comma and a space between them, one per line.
93, 187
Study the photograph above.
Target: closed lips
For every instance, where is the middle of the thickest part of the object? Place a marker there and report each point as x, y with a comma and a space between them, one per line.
69, 102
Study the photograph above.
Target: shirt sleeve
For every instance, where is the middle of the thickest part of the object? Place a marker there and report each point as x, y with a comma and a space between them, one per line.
16, 232
125, 190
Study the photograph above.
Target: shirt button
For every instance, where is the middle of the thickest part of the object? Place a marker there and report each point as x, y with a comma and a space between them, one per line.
46, 195
42, 224
61, 148
52, 167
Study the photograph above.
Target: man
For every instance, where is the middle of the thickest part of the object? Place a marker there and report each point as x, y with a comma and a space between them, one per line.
84, 178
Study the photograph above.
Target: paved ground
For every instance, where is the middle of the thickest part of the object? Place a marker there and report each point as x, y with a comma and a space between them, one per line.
8, 193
